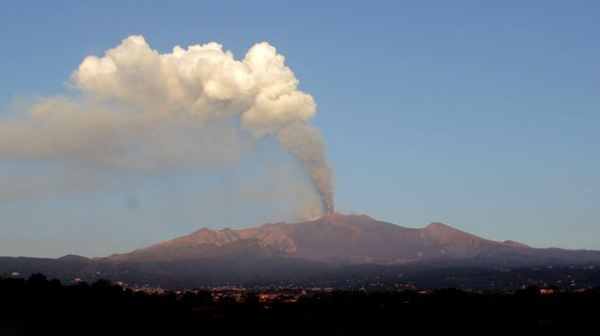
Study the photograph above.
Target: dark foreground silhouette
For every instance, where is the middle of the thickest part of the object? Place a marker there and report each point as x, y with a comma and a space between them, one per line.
37, 306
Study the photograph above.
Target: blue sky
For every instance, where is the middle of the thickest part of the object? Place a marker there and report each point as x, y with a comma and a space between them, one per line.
484, 116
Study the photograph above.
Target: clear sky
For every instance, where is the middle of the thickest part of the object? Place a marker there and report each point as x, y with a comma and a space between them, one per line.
482, 115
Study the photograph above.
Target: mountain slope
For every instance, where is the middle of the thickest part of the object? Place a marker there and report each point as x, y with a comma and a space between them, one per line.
337, 250
337, 238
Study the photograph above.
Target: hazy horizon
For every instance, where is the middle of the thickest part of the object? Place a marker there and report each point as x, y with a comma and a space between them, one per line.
483, 117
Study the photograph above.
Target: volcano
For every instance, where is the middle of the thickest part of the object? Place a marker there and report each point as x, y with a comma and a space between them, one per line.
345, 239
335, 249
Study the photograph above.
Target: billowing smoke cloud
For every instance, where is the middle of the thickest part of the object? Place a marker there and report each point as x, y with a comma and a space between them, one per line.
134, 95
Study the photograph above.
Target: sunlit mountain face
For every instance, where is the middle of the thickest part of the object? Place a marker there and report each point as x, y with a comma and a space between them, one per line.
337, 249
334, 238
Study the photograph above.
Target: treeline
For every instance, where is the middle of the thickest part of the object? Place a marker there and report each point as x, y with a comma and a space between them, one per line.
39, 306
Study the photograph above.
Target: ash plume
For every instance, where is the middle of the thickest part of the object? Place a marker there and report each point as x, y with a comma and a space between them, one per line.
133, 95
305, 143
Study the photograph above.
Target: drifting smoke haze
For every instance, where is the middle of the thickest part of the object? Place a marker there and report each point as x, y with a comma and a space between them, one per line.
140, 110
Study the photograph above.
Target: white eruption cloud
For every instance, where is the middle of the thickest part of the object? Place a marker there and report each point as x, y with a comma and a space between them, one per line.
133, 96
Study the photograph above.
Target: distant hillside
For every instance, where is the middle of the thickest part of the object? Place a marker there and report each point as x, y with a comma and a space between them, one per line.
347, 239
331, 250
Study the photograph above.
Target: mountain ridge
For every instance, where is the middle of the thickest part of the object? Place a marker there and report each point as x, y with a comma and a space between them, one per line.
335, 237
337, 250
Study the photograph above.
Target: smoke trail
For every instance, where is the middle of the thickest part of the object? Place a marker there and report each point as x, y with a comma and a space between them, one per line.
133, 93
305, 142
